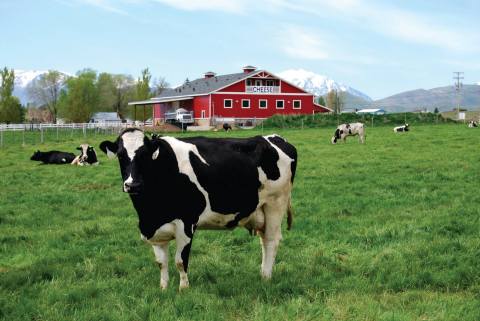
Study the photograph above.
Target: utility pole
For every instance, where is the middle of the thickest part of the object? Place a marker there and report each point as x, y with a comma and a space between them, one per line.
458, 76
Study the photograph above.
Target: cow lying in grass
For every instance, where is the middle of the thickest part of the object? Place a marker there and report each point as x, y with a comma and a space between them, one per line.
87, 156
400, 129
472, 124
352, 129
180, 184
53, 157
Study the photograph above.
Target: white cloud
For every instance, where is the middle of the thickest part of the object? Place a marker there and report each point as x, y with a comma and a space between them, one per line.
302, 44
233, 6
105, 5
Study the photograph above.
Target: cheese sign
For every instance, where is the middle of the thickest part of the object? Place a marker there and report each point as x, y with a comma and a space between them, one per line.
263, 89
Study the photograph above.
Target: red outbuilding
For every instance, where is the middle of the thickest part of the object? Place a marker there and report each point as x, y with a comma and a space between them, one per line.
241, 98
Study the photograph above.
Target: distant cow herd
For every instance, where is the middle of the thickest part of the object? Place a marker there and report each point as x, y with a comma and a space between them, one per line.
181, 185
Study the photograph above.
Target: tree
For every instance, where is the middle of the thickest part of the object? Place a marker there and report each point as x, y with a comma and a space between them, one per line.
45, 91
11, 110
115, 91
143, 92
159, 85
436, 111
80, 99
124, 91
335, 101
321, 101
143, 85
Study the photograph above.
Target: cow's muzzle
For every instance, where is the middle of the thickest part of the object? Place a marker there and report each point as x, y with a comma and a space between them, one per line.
132, 187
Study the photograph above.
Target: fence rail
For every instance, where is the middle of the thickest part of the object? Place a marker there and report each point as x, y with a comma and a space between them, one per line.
103, 125
27, 134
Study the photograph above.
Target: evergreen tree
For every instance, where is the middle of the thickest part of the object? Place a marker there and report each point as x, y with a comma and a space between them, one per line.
436, 111
321, 101
11, 110
143, 93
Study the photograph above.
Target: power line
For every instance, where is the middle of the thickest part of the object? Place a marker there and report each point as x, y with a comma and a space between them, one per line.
458, 76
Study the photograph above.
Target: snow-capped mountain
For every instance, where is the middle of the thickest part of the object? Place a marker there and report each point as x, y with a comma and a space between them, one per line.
23, 78
318, 84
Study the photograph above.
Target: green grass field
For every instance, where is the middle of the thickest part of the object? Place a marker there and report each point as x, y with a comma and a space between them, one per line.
388, 230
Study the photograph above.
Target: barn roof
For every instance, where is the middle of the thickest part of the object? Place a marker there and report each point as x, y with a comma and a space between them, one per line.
202, 86
205, 85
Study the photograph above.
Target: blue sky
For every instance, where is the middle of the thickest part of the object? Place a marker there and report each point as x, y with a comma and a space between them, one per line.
378, 47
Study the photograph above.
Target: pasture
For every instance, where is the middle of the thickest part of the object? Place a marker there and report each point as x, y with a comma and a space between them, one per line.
388, 230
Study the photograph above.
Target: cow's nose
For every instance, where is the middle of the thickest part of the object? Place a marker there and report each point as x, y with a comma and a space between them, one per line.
127, 186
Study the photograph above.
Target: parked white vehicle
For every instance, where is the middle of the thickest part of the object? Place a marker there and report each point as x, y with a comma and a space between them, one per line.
180, 115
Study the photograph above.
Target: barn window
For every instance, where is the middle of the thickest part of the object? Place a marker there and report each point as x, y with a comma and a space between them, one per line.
203, 114
227, 103
297, 104
245, 103
262, 104
280, 104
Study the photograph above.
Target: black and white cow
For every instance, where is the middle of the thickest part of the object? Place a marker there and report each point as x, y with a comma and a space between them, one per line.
400, 129
53, 157
180, 184
472, 124
352, 129
87, 156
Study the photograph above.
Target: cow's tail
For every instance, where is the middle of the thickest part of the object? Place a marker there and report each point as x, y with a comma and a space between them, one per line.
289, 215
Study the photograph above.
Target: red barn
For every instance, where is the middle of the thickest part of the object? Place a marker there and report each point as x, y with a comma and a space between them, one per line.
242, 98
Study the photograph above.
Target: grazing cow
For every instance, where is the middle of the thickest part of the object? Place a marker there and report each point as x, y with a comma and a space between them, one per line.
87, 156
401, 129
53, 157
472, 124
180, 184
352, 129
227, 127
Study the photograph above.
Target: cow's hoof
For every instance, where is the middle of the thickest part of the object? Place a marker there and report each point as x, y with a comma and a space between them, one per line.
163, 285
183, 286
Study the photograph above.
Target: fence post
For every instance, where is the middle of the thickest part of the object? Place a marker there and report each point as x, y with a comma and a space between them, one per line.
84, 131
1, 137
23, 143
41, 134
372, 120
57, 133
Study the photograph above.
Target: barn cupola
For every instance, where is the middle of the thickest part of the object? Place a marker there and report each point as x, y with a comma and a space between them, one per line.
248, 69
209, 74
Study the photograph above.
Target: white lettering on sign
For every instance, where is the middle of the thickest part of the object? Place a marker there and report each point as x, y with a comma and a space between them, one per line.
263, 89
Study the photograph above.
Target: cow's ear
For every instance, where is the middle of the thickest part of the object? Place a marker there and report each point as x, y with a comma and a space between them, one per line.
79, 148
109, 148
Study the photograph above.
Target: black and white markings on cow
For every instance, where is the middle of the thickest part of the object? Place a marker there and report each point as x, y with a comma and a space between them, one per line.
352, 129
179, 185
401, 129
53, 157
87, 156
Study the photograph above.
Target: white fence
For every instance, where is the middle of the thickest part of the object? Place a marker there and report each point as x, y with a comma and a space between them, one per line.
40, 133
102, 125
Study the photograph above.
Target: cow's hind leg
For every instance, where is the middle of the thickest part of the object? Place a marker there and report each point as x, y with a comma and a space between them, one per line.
184, 242
271, 236
161, 256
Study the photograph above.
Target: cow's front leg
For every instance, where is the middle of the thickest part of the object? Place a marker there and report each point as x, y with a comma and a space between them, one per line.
161, 257
184, 242
272, 235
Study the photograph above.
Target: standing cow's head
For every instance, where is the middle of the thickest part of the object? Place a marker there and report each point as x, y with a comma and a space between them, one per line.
336, 135
135, 153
